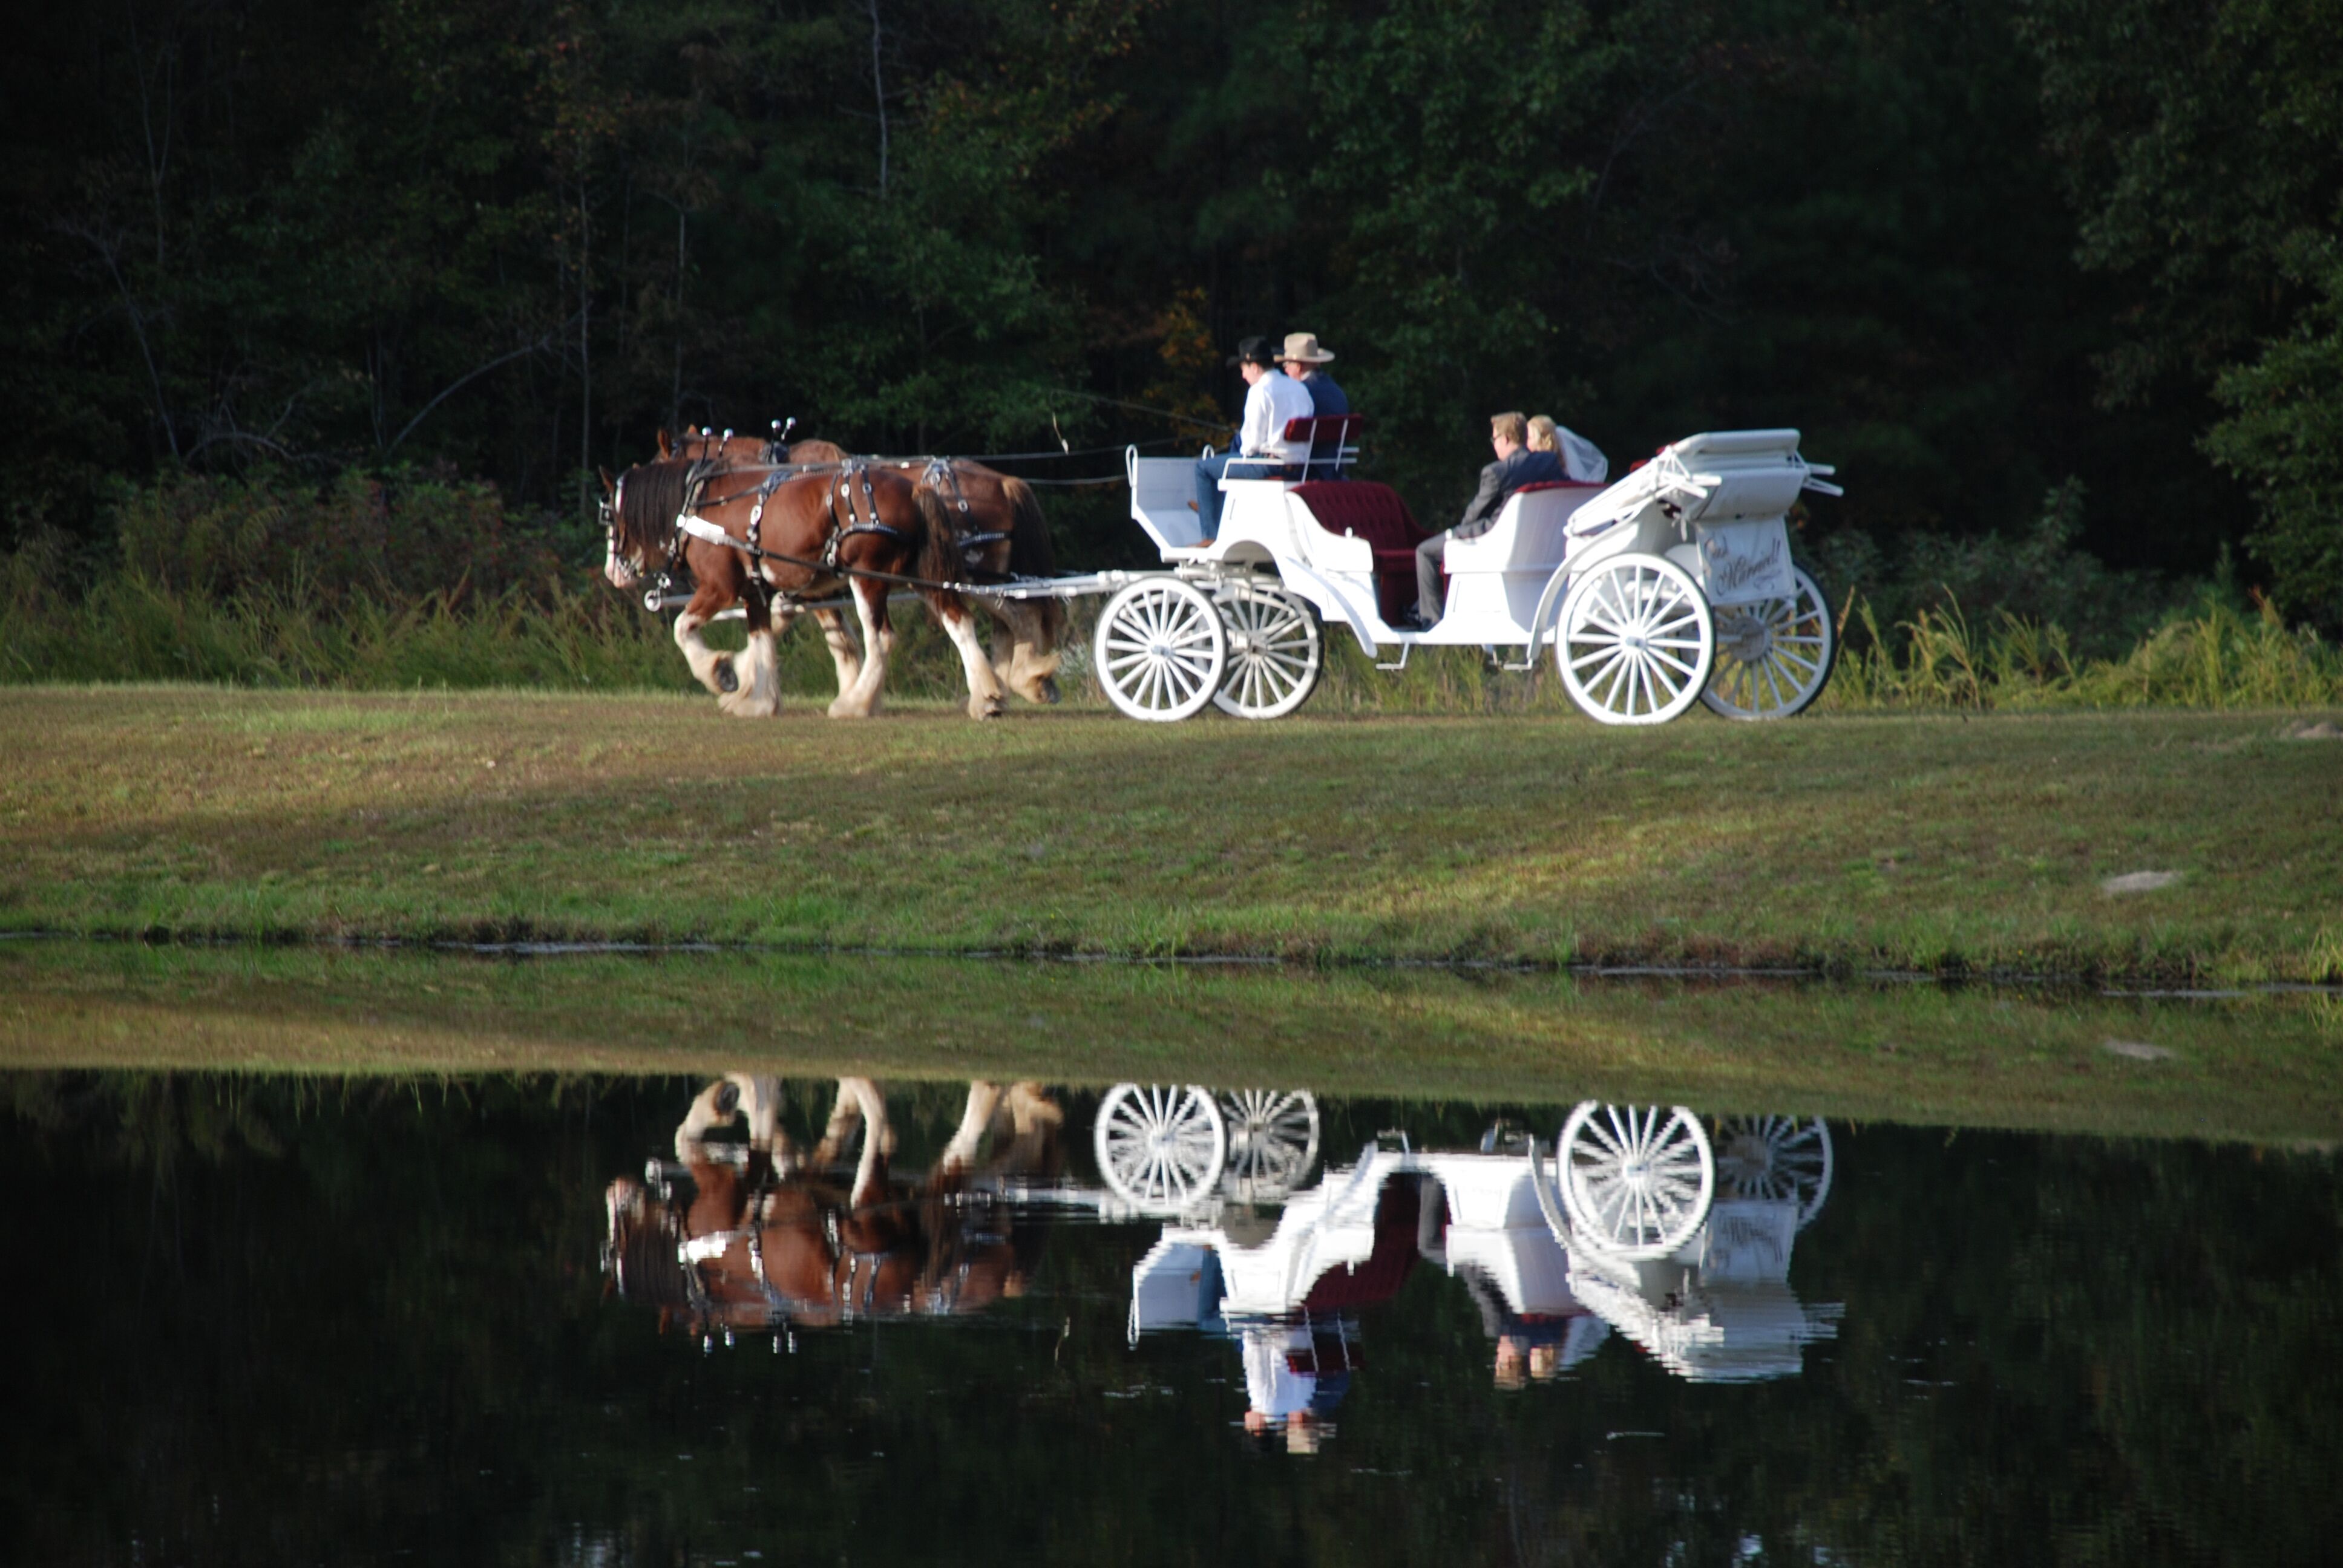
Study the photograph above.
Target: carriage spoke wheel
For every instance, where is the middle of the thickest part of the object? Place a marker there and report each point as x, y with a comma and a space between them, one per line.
1777, 1159
1636, 640
1272, 1141
1275, 651
1773, 656
1637, 1183
1160, 652
1160, 1148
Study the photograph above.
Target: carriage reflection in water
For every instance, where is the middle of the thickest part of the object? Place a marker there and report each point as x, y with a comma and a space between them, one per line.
1637, 1220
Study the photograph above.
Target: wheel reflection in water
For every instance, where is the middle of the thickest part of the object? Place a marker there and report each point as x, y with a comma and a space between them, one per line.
1161, 1148
1272, 1141
1779, 1159
1637, 1183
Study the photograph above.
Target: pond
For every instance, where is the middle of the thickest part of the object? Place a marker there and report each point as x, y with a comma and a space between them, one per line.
704, 1319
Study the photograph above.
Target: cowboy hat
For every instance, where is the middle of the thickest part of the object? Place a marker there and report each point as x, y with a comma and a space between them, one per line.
1253, 351
1303, 346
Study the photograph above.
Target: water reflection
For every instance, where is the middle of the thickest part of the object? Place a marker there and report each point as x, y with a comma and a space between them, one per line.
1672, 1229
362, 1321
739, 1234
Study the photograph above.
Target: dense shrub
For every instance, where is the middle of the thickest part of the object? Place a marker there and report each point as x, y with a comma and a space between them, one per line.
2044, 577
398, 533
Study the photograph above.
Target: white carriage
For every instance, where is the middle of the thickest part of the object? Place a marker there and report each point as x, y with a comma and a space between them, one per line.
1674, 585
1643, 1225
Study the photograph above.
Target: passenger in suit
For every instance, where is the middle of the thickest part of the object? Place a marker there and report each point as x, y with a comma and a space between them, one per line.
1306, 364
1516, 466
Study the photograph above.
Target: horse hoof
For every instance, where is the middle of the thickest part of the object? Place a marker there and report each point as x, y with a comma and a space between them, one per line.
727, 679
1049, 692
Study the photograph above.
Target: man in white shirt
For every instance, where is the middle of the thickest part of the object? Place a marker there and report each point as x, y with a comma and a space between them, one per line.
1261, 450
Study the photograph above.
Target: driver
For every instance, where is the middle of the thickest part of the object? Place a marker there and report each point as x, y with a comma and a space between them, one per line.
1261, 451
1516, 465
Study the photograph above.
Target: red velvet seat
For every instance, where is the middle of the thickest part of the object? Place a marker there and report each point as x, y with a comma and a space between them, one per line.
1376, 514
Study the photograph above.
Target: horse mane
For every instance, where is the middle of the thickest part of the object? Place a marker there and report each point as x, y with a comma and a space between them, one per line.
642, 1257
655, 494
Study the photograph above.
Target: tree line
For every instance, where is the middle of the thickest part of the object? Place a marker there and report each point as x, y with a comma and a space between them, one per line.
1979, 252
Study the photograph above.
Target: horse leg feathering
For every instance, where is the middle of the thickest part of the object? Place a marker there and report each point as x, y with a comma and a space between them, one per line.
845, 653
1029, 663
984, 1101
860, 700
710, 668
756, 674
985, 698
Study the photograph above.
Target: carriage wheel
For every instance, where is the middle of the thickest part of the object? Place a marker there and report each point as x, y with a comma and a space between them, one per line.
1635, 640
1272, 1141
1161, 1148
1161, 652
1773, 656
1275, 651
1637, 1183
1778, 1159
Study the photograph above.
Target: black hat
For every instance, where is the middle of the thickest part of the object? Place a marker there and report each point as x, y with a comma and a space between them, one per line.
1253, 351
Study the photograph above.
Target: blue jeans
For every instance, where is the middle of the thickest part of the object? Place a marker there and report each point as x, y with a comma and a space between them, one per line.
1208, 471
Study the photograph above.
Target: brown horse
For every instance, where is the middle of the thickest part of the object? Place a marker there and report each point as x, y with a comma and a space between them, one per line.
765, 1240
997, 519
823, 529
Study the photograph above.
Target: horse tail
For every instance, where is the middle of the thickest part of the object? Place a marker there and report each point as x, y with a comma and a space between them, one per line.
1031, 554
940, 559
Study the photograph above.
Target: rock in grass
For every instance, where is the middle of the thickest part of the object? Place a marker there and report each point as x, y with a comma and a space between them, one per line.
2325, 729
2138, 883
2138, 1050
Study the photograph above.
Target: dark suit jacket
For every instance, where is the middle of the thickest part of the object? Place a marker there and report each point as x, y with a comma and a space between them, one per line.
1499, 480
1325, 397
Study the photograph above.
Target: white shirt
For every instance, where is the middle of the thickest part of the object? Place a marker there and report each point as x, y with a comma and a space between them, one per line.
1272, 401
1271, 1385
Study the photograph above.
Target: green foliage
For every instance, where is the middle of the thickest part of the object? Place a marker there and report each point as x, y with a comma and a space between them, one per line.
2043, 576
2285, 436
2214, 657
507, 240
2199, 142
399, 533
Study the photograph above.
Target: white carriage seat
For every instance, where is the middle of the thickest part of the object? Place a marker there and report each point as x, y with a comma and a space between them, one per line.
1495, 579
1162, 500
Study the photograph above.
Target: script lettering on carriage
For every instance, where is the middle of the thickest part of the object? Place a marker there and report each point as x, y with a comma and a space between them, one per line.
1744, 562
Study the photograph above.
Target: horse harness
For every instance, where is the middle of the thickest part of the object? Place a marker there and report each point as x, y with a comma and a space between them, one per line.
942, 472
852, 506
856, 1270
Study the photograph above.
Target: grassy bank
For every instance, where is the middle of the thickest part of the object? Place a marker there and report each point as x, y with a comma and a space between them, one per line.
128, 628
1924, 842
2266, 1069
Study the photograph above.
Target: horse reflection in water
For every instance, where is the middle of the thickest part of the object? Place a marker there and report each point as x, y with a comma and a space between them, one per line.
767, 1240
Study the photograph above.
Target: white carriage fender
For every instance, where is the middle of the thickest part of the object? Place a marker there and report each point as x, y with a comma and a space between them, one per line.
1323, 592
1549, 1204
1541, 624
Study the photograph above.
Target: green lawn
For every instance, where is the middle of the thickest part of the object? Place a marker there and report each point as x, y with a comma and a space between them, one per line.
2267, 1069
1844, 841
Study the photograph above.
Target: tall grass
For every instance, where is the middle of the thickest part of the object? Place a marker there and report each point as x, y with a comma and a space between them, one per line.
2212, 656
129, 627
